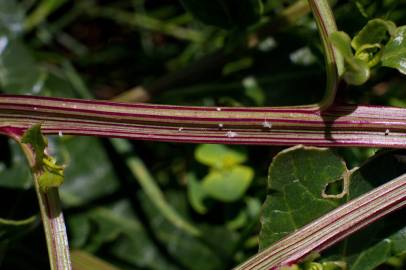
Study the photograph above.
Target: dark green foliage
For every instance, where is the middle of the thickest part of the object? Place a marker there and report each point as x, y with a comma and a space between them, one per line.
225, 13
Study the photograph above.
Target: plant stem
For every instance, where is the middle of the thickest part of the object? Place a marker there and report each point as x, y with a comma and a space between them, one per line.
340, 125
326, 24
151, 188
52, 218
332, 227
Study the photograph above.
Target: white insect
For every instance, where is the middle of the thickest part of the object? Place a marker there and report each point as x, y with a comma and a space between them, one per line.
267, 124
231, 134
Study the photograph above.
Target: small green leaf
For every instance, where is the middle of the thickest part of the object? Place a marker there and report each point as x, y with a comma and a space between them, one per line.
38, 142
218, 156
394, 53
52, 176
228, 185
373, 257
375, 31
49, 173
356, 71
370, 53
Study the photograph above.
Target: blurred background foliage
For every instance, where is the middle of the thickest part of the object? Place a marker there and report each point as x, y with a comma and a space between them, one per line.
150, 205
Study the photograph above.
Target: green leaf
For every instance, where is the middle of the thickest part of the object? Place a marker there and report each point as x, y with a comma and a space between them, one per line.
209, 252
38, 142
17, 174
117, 232
11, 17
52, 175
196, 194
82, 260
297, 178
87, 178
19, 74
49, 173
225, 13
394, 53
374, 245
376, 31
356, 71
228, 185
14, 228
218, 156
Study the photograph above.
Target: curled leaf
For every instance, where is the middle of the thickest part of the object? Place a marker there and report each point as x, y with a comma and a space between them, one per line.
376, 31
356, 70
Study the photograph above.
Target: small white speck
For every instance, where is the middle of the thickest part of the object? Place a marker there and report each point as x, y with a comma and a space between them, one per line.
221, 125
387, 132
402, 62
64, 104
35, 108
231, 134
60, 134
3, 44
74, 106
267, 124
296, 181
218, 109
180, 129
398, 40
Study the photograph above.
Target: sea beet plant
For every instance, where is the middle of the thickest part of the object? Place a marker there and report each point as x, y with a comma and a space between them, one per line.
315, 205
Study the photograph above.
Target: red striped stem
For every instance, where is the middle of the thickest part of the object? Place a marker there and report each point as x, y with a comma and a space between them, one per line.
332, 227
340, 125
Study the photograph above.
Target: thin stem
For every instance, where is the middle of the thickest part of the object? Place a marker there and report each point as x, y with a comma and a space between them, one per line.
340, 125
325, 21
151, 188
52, 218
332, 227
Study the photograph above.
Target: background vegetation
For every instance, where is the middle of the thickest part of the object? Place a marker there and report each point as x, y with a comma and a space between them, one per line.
155, 51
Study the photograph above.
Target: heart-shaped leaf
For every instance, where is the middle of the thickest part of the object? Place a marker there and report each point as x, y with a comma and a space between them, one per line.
228, 185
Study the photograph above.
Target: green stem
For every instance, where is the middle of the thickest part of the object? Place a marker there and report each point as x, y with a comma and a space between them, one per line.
326, 24
151, 189
52, 218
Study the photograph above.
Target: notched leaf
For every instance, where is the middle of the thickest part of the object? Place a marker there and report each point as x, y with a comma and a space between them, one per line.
298, 177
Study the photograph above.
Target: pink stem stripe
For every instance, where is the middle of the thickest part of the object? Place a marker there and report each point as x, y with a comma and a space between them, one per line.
340, 125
